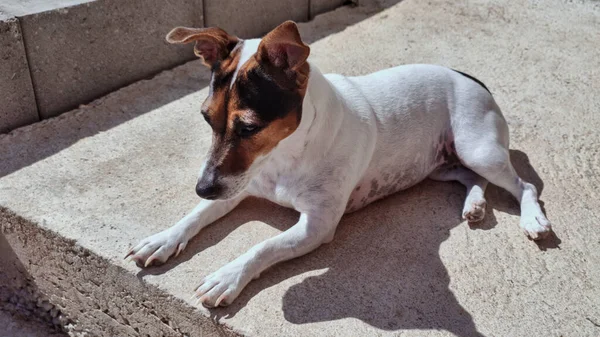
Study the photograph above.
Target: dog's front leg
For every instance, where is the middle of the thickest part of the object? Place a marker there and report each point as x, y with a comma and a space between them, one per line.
160, 246
224, 285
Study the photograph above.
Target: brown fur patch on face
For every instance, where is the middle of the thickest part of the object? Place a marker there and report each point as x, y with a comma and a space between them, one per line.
215, 106
265, 97
244, 151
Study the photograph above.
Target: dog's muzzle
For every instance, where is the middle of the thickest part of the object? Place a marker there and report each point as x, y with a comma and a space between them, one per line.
208, 187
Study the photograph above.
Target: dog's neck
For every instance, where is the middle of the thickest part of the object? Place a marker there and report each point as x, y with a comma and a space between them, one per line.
321, 119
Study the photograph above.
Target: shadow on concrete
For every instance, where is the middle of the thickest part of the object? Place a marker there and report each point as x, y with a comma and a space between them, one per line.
251, 209
56, 134
383, 267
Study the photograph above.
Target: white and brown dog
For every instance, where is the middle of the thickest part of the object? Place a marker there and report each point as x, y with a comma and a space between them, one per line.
329, 144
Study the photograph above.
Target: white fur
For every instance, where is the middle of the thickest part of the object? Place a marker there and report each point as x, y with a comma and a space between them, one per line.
360, 139
248, 49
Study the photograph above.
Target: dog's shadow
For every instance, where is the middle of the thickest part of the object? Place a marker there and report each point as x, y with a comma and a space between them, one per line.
383, 267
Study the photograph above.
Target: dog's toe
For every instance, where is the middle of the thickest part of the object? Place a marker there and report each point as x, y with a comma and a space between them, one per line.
476, 211
223, 286
536, 228
214, 292
156, 249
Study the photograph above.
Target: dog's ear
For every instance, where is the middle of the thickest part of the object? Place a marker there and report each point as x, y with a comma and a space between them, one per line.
283, 47
212, 44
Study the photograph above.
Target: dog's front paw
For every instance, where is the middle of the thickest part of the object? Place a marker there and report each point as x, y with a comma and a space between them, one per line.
156, 249
536, 227
223, 286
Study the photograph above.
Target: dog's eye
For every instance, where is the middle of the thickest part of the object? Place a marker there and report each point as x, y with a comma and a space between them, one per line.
246, 130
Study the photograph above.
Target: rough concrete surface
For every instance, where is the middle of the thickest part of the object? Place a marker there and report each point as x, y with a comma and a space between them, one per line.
124, 167
253, 18
22, 304
54, 283
26, 7
17, 100
322, 6
16, 327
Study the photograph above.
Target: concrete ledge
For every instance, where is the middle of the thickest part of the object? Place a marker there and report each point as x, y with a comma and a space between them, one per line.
17, 100
83, 294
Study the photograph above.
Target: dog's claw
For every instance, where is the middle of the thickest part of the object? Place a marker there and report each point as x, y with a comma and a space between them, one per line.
198, 301
156, 257
149, 262
158, 248
532, 235
180, 248
222, 299
137, 261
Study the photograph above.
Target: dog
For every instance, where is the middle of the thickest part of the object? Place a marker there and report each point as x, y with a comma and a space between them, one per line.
327, 145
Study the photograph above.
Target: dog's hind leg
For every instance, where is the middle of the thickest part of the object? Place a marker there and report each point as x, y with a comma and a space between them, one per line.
474, 208
489, 158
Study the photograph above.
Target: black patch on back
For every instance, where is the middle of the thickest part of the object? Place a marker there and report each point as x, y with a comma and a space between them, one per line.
258, 92
474, 79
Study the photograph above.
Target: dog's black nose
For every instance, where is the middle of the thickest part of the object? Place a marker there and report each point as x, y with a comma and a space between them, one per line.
207, 191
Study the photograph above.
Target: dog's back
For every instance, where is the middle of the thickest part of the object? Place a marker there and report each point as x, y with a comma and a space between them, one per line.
411, 110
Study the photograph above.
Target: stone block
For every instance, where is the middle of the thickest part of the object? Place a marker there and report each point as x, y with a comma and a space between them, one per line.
253, 18
321, 6
79, 53
17, 100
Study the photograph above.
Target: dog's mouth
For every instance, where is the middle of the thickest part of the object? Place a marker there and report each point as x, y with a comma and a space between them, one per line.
213, 186
223, 189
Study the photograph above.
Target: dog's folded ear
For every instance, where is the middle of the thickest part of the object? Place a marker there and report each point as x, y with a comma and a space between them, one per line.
283, 47
212, 44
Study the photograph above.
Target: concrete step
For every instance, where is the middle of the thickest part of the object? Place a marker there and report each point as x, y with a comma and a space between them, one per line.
78, 190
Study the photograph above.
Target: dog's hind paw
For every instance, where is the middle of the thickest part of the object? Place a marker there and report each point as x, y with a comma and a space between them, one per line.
156, 249
536, 227
476, 212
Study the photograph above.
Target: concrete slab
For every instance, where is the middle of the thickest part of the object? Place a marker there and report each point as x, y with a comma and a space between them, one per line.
125, 166
80, 53
322, 6
254, 17
17, 100
26, 7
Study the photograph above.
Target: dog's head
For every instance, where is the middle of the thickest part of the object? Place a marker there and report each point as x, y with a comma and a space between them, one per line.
254, 101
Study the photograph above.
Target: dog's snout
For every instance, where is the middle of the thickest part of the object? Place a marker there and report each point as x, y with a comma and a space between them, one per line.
208, 190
